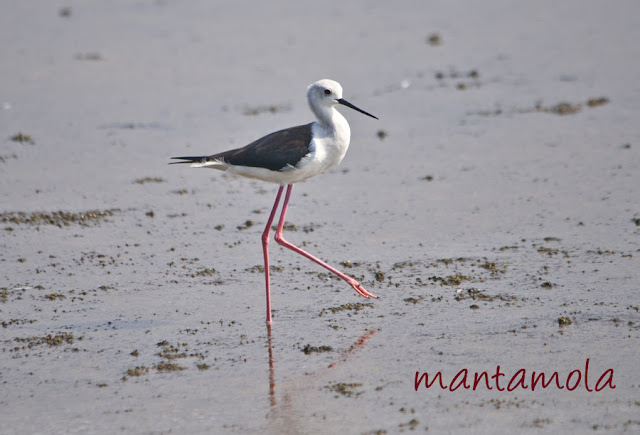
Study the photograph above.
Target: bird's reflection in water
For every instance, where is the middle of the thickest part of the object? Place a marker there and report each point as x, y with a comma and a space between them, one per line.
272, 372
284, 412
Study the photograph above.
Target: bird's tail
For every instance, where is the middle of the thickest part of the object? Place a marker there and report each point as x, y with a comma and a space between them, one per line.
200, 162
191, 159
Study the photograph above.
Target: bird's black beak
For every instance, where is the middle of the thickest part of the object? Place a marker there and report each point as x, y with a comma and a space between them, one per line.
348, 104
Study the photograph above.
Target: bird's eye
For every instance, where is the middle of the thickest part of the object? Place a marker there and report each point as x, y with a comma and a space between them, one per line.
327, 92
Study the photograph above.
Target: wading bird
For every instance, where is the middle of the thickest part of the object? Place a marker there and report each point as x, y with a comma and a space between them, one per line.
291, 155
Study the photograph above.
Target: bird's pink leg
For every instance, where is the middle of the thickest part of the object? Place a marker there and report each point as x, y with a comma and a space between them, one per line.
265, 251
278, 237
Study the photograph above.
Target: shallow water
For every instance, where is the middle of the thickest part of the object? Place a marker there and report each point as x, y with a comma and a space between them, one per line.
484, 214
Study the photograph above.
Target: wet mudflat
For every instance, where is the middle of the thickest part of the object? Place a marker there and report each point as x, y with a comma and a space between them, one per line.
493, 209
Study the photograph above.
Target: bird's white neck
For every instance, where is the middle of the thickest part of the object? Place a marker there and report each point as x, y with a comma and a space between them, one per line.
333, 123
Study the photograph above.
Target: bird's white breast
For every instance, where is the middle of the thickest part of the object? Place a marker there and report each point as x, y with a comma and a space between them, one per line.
331, 140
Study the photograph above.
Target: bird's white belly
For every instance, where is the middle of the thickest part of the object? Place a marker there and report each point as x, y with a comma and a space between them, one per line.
279, 177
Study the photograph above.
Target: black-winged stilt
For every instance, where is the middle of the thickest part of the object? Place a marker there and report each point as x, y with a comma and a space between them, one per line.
291, 155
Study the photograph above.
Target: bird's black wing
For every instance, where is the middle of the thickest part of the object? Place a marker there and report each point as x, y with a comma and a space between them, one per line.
274, 151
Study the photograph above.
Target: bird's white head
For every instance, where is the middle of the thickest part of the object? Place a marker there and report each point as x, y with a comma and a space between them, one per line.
323, 95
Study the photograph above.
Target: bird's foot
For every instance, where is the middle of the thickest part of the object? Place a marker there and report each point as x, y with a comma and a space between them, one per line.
359, 289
